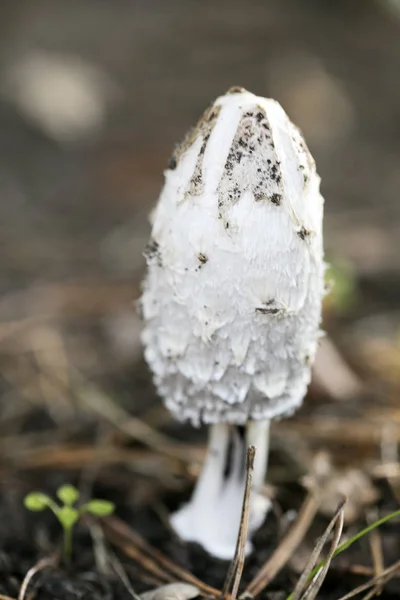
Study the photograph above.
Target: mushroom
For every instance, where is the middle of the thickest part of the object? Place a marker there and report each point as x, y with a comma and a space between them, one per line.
232, 298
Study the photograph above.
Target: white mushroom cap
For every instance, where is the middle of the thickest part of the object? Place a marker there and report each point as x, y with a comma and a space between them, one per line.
232, 298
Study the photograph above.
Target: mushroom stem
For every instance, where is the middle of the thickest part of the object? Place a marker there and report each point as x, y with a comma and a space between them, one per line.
212, 516
257, 434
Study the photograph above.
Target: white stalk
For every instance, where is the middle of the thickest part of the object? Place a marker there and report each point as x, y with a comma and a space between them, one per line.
257, 434
210, 481
212, 516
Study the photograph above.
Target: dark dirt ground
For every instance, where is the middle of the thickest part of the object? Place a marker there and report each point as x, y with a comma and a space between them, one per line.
26, 538
76, 401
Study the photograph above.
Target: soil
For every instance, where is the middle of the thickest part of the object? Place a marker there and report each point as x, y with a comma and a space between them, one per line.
27, 537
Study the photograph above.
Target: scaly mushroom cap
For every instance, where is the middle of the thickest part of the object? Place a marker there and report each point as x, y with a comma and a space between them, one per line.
232, 297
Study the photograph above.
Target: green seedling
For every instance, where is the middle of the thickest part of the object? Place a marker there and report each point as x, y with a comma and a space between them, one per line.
66, 512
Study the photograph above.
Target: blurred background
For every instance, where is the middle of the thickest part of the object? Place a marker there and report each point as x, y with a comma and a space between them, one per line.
94, 94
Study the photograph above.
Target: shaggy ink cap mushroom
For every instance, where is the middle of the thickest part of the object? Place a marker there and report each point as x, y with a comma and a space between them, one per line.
232, 297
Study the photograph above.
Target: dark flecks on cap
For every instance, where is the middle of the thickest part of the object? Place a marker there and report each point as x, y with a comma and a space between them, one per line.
275, 172
265, 310
172, 163
276, 199
253, 149
303, 233
139, 309
236, 89
258, 194
269, 308
202, 258
152, 253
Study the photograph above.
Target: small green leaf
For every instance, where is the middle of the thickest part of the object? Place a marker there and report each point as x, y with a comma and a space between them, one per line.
36, 501
68, 494
99, 508
68, 516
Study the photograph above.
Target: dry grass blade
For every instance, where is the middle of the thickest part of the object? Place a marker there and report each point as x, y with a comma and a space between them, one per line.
120, 572
50, 355
44, 563
286, 548
101, 557
73, 456
105, 558
159, 574
353, 433
2, 597
99, 403
90, 397
154, 561
333, 374
315, 585
67, 300
383, 578
359, 570
375, 541
10, 329
372, 592
236, 568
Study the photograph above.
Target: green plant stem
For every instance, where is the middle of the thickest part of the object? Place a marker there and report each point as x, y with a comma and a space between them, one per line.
53, 506
67, 544
351, 541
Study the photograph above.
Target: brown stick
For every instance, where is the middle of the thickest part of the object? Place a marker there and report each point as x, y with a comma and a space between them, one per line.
236, 567
244, 522
44, 563
385, 576
286, 548
120, 534
312, 588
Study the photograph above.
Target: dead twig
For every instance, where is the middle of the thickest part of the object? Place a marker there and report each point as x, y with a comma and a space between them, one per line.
313, 588
100, 552
151, 559
375, 541
68, 300
11, 329
91, 398
383, 578
97, 402
105, 558
286, 548
333, 375
50, 355
236, 567
159, 574
120, 572
351, 432
44, 563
